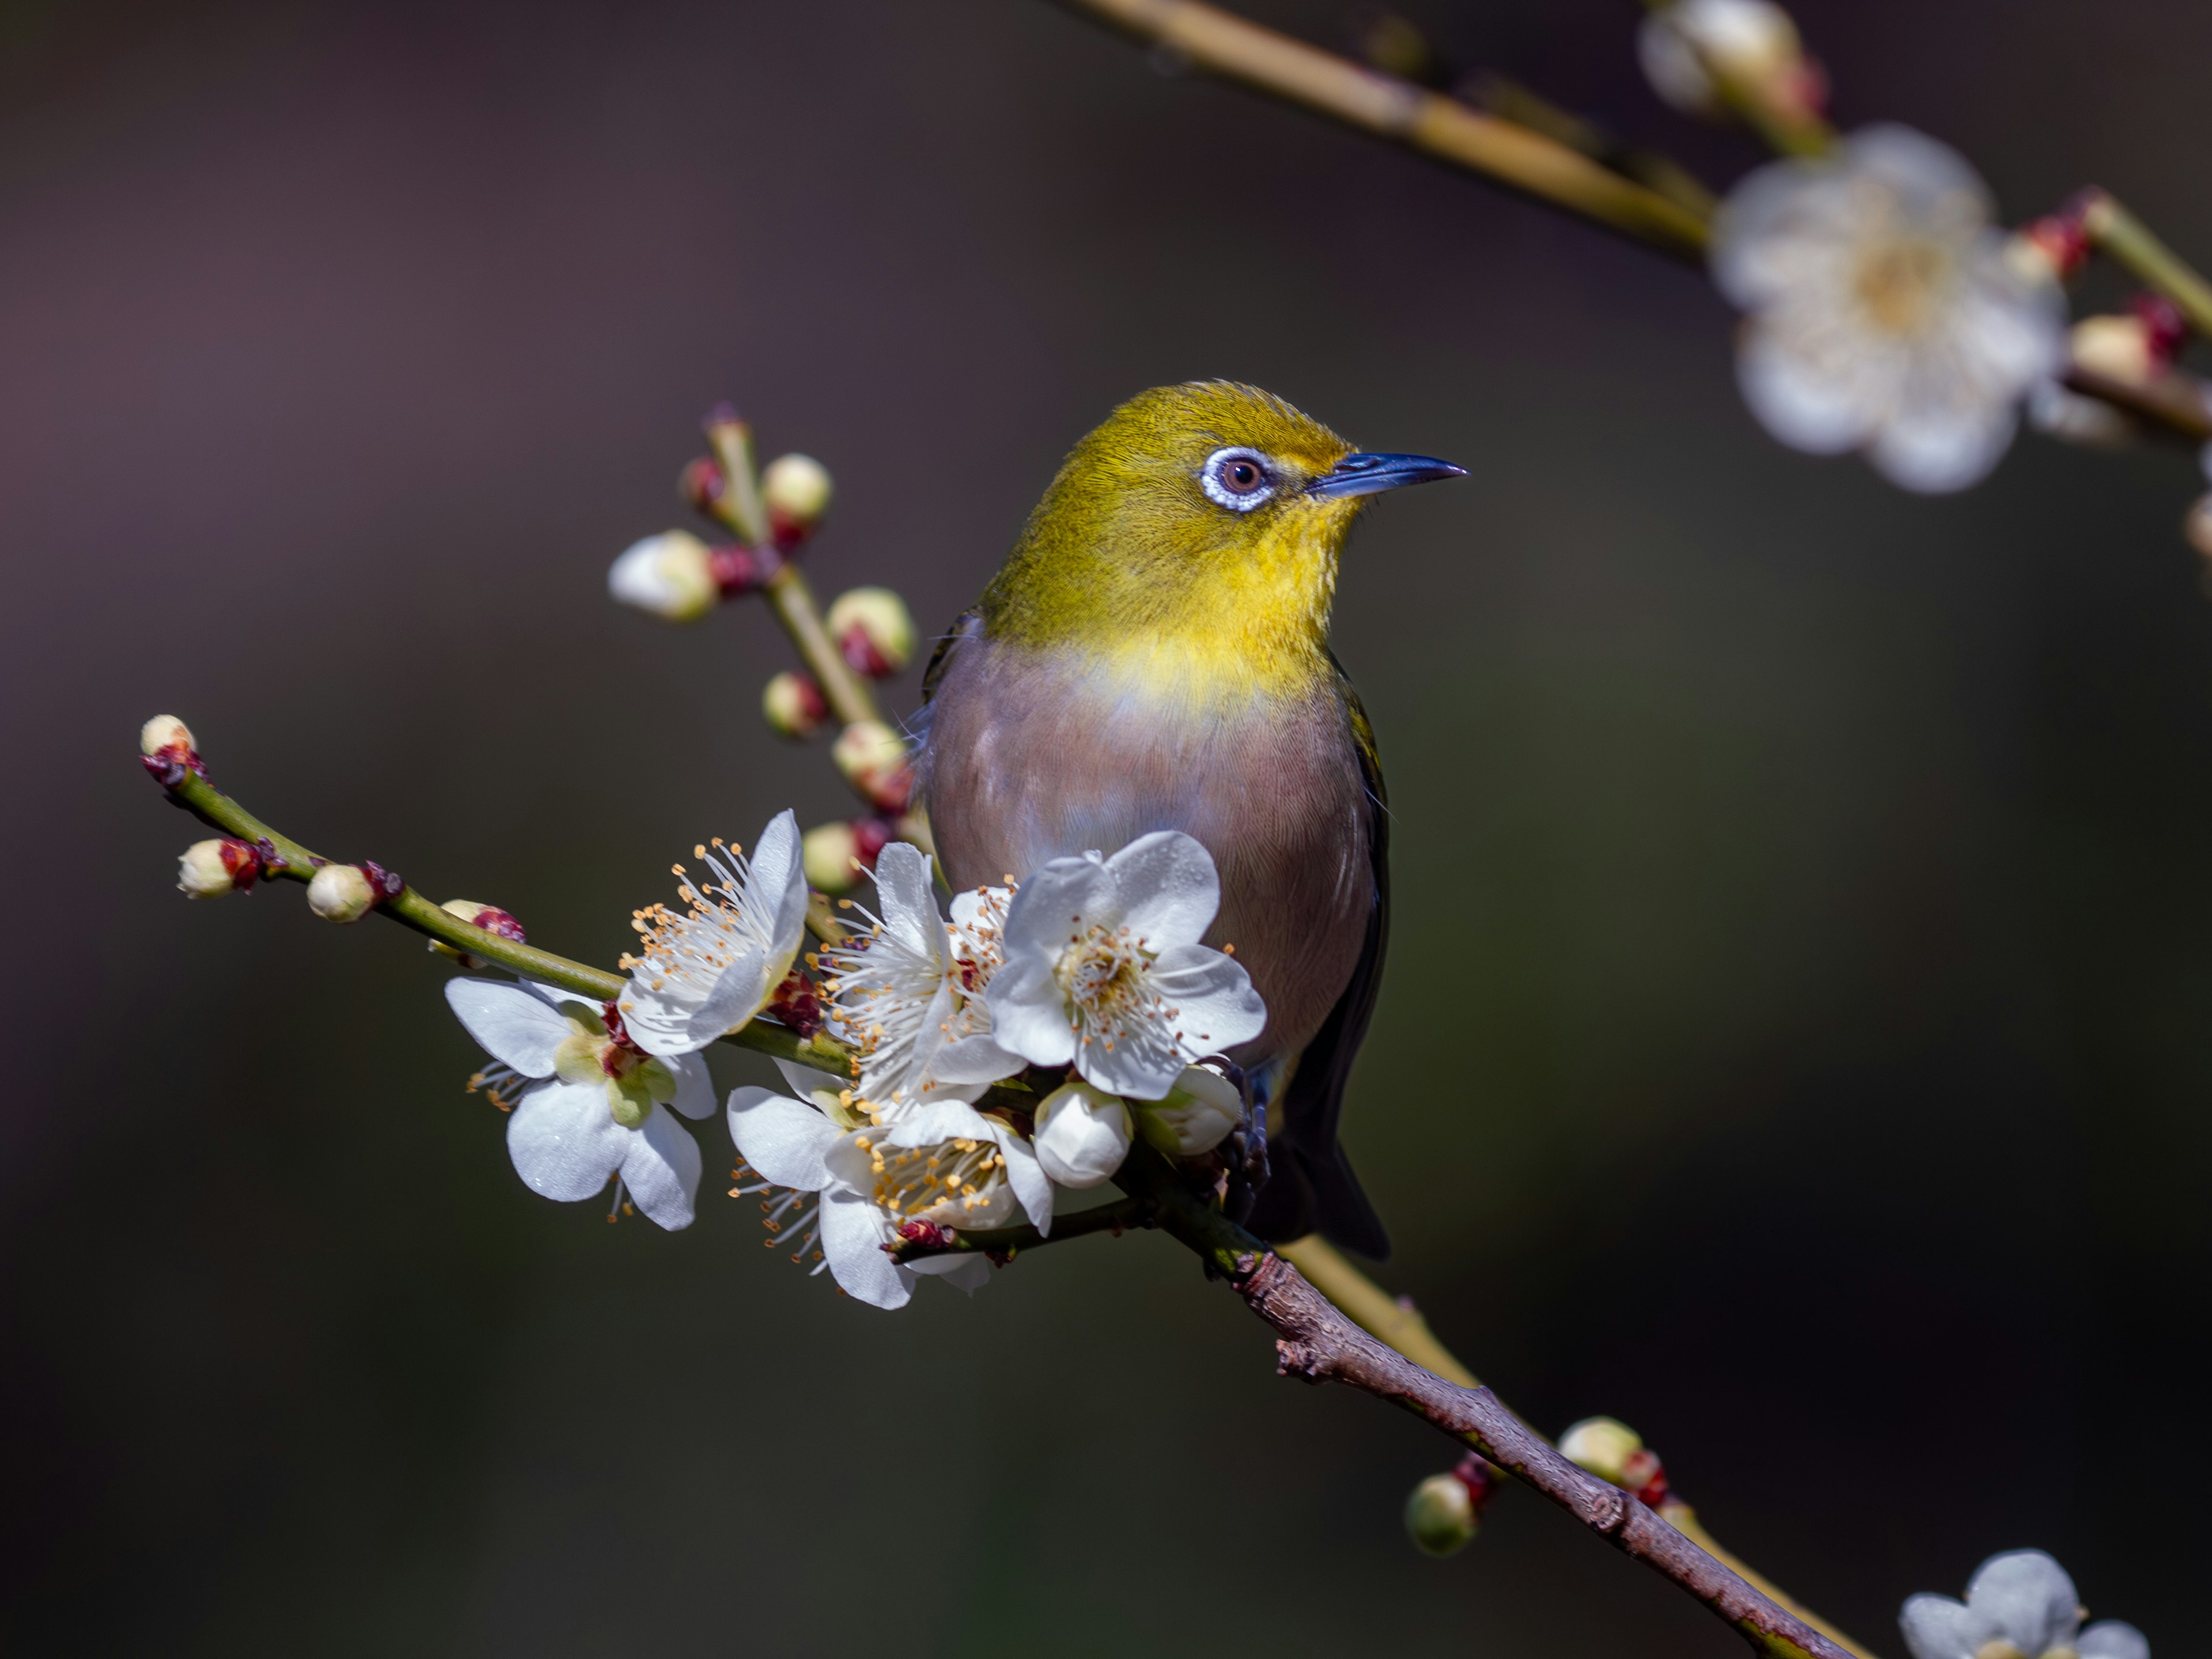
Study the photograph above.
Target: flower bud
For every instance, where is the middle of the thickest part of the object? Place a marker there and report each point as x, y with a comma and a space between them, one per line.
490, 918
208, 869
2056, 245
827, 853
1602, 1445
671, 576
794, 704
1196, 1116
165, 735
2067, 415
1440, 1516
1082, 1134
873, 759
874, 630
341, 892
870, 837
2118, 348
796, 491
1750, 41
703, 483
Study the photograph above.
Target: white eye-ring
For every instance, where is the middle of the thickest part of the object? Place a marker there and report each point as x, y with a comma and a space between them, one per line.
1239, 479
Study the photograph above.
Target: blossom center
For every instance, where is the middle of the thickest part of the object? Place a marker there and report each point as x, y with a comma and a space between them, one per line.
955, 1184
1105, 979
1900, 281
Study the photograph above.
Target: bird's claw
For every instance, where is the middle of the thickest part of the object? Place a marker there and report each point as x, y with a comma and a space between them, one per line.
1246, 1148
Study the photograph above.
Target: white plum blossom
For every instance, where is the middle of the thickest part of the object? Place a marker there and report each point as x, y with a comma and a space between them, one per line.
585, 1102
708, 971
940, 1166
1082, 1134
2020, 1605
1103, 968
1196, 1117
1884, 313
909, 993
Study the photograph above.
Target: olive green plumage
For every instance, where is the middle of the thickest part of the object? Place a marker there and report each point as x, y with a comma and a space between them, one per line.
1154, 654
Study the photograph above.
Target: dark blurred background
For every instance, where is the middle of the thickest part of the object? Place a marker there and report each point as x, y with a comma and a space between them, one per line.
1803, 895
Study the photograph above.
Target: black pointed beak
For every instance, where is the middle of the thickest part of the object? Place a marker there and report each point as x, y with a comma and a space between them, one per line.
1370, 475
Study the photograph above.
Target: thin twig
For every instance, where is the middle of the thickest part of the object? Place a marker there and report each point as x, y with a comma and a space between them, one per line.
410, 909
2128, 240
1316, 1341
1003, 1242
1213, 40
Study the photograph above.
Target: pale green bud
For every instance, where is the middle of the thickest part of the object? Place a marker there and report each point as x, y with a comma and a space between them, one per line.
1440, 1516
794, 704
340, 892
827, 853
671, 576
166, 735
208, 869
796, 491
1196, 1116
873, 759
874, 630
1602, 1445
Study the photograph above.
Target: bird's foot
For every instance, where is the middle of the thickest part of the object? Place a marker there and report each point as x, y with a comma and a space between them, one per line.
1245, 1151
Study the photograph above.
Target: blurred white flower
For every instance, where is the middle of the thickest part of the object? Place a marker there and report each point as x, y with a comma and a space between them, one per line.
710, 970
942, 1165
907, 992
671, 576
1884, 315
589, 1105
2021, 1605
1751, 41
1103, 968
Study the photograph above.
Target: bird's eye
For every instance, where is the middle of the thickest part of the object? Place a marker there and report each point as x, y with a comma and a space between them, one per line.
1238, 479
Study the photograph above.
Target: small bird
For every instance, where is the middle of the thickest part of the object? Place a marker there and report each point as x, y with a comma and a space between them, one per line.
1154, 655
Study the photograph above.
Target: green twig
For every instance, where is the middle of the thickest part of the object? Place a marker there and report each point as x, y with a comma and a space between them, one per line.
2128, 240
1116, 1217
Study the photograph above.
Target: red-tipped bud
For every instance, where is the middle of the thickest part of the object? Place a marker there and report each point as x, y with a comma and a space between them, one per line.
703, 483
796, 1003
741, 569
1445, 1512
870, 837
873, 759
341, 892
2163, 326
828, 854
2057, 240
796, 491
490, 917
208, 869
167, 750
874, 630
2118, 348
794, 705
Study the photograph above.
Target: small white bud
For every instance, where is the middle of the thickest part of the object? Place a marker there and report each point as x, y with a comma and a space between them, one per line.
1440, 1516
167, 735
340, 892
1748, 40
208, 869
490, 917
1196, 1116
794, 704
1082, 1134
1602, 1445
873, 760
874, 630
826, 852
796, 491
2118, 348
2056, 412
671, 576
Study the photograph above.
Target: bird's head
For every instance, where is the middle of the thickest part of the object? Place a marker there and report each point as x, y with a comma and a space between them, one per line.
1202, 521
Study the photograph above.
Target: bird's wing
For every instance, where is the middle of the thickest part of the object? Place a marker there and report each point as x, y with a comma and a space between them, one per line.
965, 627
1318, 1192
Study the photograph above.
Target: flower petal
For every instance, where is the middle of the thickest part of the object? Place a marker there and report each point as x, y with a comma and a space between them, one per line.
2027, 1598
661, 1170
853, 1234
973, 1059
513, 1025
564, 1141
2112, 1638
776, 882
1937, 1627
1217, 1005
1032, 1191
1167, 888
694, 1086
906, 900
1196, 1117
783, 1140
1028, 1015
1066, 895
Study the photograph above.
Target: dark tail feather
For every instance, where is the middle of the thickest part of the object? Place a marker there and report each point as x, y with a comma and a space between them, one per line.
1318, 1194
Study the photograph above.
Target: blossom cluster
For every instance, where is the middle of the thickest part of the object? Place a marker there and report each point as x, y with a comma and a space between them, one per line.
1093, 970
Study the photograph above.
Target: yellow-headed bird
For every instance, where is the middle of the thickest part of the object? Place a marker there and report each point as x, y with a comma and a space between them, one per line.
1154, 655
